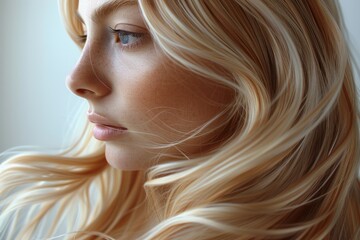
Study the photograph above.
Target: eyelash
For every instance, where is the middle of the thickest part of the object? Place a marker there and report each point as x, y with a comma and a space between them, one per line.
117, 34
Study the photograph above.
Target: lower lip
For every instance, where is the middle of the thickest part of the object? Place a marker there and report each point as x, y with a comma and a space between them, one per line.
104, 133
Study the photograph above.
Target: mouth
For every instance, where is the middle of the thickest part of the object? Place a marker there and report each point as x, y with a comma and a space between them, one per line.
107, 133
105, 129
112, 127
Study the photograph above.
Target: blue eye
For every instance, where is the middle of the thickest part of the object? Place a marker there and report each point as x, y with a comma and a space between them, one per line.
126, 38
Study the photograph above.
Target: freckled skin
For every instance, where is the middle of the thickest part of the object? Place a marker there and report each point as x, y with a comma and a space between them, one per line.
141, 89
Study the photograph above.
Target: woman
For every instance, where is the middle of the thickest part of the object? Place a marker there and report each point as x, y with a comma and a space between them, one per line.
213, 119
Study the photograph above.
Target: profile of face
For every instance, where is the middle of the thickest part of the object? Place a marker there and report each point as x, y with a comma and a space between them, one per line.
146, 108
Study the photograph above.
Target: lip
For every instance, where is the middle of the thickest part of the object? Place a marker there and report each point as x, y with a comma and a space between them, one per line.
105, 129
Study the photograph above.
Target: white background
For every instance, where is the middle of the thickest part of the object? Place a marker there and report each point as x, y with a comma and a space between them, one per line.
35, 57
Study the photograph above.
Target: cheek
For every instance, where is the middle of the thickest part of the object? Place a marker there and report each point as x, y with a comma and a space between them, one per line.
162, 103
177, 102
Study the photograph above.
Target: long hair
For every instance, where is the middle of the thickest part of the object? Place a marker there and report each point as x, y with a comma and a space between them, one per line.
288, 170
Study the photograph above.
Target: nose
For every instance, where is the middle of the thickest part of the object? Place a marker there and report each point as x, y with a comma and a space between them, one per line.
86, 80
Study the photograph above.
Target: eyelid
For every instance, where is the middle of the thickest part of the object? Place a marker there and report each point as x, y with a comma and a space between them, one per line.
82, 38
130, 28
141, 37
135, 30
116, 31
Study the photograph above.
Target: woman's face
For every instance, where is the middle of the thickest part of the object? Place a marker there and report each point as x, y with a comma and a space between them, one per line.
152, 104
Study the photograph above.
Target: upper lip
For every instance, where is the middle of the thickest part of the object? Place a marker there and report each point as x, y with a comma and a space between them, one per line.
98, 119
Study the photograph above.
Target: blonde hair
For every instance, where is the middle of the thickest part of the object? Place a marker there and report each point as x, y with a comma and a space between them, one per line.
289, 169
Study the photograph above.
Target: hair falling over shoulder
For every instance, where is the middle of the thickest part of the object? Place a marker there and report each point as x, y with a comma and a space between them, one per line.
289, 170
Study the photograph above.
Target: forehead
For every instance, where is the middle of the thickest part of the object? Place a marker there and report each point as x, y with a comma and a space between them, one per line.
97, 9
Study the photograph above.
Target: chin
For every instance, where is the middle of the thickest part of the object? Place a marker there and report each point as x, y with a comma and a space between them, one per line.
125, 158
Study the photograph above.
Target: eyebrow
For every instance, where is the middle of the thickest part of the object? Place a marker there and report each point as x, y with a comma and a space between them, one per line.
107, 8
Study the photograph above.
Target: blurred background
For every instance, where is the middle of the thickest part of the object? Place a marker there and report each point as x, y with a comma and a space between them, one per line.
36, 55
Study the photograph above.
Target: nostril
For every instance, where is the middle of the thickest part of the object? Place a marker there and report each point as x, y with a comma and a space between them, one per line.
85, 92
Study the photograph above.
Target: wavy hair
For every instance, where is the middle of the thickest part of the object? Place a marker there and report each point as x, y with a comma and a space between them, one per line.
288, 170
